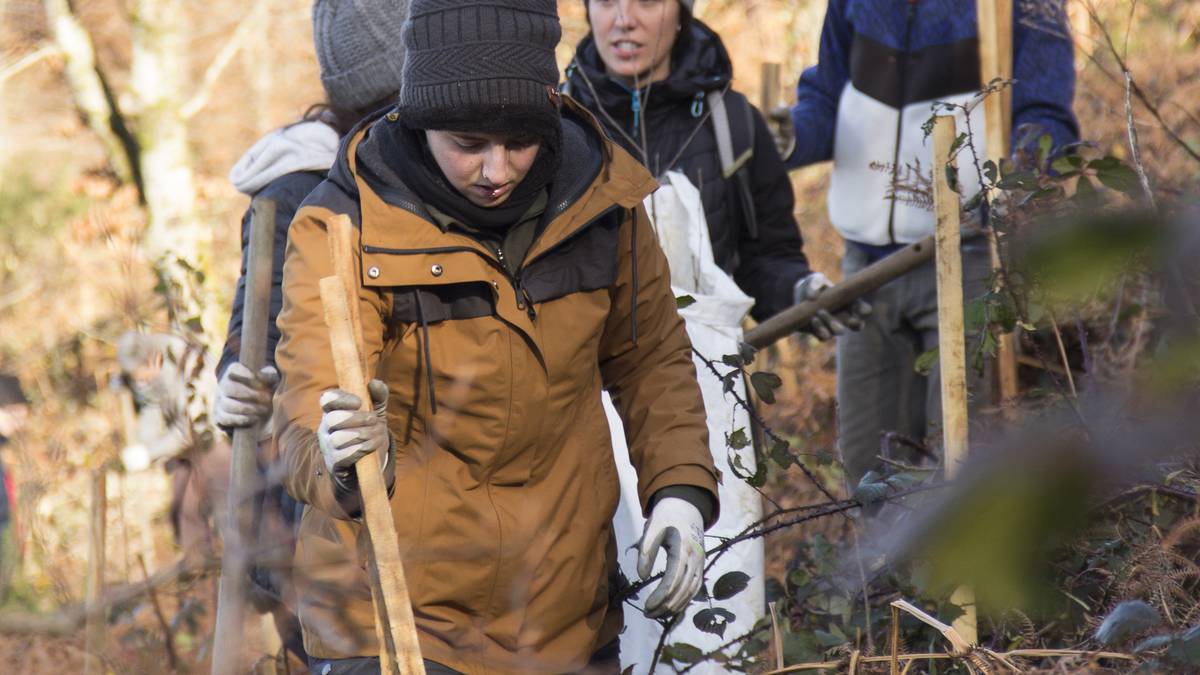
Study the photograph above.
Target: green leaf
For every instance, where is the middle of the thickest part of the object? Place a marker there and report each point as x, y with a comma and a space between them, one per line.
765, 385
952, 177
828, 639
824, 457
958, 143
782, 455
684, 301
713, 620
798, 578
1045, 145
683, 653
756, 479
974, 202
1067, 166
991, 171
730, 584
733, 360
1119, 177
737, 440
1021, 180
925, 362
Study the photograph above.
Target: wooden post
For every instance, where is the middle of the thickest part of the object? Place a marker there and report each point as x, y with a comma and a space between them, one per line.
995, 18
400, 650
952, 350
770, 88
243, 470
96, 628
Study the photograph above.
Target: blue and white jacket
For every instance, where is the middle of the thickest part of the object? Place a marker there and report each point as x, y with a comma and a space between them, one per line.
883, 63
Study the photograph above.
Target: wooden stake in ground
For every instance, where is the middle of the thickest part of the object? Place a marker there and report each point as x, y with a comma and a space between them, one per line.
243, 471
400, 651
995, 18
96, 629
952, 348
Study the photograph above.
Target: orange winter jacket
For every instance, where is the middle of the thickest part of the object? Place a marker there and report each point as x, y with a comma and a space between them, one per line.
502, 499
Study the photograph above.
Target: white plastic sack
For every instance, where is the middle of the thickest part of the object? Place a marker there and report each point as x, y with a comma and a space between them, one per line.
714, 325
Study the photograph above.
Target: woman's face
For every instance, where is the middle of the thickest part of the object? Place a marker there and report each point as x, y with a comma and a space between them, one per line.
635, 37
485, 168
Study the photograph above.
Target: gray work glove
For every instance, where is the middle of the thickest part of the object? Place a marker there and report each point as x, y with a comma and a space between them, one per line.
677, 525
825, 325
244, 398
347, 434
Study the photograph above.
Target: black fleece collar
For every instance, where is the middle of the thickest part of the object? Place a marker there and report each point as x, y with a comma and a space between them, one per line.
582, 159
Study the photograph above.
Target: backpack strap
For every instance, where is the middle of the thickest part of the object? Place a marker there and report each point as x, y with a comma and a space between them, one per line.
734, 166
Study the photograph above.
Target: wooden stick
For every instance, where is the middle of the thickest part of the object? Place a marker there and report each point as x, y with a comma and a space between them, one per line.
770, 88
995, 61
400, 650
168, 636
952, 348
910, 658
243, 470
94, 663
840, 296
776, 634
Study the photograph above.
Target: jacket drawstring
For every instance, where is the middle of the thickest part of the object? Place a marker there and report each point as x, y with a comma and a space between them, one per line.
633, 259
428, 358
635, 106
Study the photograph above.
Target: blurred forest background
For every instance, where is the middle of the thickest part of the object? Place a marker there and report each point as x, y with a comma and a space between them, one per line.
102, 232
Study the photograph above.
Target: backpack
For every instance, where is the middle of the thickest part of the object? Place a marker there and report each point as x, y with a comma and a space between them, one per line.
734, 166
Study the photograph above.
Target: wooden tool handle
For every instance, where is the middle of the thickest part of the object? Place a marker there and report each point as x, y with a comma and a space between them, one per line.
394, 616
840, 296
243, 469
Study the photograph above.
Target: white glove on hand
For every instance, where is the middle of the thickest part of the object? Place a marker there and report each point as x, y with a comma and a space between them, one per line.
244, 398
678, 526
347, 434
825, 325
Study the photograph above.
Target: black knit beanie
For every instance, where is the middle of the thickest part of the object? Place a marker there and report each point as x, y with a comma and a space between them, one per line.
482, 66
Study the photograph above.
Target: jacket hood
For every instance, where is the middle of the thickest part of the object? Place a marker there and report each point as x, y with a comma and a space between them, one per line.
586, 152
306, 146
699, 65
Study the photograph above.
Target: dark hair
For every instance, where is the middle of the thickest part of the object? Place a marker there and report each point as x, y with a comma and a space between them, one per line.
342, 119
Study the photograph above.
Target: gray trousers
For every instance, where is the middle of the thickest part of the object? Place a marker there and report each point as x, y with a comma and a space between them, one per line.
878, 389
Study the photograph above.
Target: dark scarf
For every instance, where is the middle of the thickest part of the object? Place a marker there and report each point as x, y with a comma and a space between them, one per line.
400, 146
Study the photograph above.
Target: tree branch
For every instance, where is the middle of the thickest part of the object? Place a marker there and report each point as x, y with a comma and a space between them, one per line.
221, 61
10, 70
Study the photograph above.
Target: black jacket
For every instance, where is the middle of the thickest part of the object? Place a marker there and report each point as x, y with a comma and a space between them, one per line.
288, 192
680, 137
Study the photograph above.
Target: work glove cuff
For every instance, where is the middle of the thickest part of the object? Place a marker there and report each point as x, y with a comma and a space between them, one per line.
345, 481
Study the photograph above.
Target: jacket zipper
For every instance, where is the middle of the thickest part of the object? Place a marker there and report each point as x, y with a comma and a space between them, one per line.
908, 25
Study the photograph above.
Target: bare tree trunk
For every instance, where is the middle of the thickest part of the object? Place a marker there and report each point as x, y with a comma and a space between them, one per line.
90, 89
176, 240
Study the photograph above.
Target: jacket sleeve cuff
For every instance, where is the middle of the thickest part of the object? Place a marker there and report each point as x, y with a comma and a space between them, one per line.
345, 486
704, 501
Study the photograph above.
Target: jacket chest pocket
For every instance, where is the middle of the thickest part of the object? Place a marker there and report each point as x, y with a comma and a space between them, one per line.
424, 305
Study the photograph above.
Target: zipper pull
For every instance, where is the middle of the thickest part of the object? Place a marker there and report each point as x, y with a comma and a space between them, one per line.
524, 301
637, 109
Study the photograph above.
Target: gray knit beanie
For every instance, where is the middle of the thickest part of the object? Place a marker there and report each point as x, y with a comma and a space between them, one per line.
481, 66
359, 49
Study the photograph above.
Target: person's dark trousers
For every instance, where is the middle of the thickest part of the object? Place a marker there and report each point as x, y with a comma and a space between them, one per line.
878, 388
606, 661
